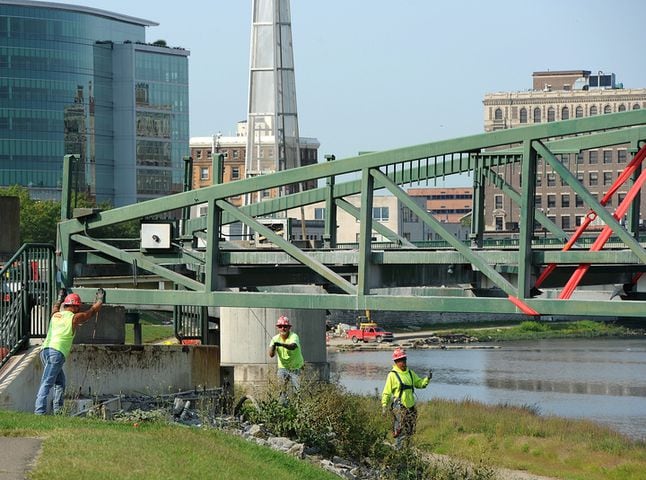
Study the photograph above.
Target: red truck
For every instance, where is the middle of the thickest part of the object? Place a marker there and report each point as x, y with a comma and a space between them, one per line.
369, 332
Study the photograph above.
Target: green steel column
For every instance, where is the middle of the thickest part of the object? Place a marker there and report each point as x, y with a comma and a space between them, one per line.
477, 212
63, 243
526, 223
365, 235
188, 185
213, 229
329, 234
66, 192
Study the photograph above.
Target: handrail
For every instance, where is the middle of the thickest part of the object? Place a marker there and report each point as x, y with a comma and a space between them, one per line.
27, 283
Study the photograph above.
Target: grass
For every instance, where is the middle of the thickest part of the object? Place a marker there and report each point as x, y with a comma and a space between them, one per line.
520, 439
76, 448
533, 330
501, 436
153, 329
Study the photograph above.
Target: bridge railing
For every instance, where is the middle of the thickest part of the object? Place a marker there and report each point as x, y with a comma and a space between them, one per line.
27, 285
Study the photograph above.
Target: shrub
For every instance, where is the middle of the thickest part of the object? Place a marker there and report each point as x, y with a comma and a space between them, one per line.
325, 417
533, 326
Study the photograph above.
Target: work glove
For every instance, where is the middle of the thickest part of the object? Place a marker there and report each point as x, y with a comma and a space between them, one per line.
62, 293
430, 374
100, 295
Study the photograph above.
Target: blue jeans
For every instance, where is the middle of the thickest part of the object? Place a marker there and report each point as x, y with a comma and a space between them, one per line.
289, 376
53, 376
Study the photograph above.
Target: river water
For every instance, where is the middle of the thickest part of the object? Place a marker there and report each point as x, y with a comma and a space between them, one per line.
600, 379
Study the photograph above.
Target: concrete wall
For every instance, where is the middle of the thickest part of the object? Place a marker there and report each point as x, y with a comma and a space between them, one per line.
110, 369
245, 335
10, 231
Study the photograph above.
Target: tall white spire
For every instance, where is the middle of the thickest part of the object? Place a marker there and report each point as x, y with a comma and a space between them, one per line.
272, 121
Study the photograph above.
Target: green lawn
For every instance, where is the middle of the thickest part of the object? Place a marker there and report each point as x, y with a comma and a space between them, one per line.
76, 448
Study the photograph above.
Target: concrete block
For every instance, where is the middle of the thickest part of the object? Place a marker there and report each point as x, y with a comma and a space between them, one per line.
108, 326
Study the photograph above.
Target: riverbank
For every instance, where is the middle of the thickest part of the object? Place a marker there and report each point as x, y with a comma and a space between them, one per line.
486, 337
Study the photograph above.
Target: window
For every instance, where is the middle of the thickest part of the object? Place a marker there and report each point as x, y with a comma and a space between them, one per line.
607, 178
539, 180
198, 154
538, 201
204, 211
204, 173
620, 197
235, 153
319, 214
565, 222
607, 156
621, 156
208, 154
523, 115
235, 172
636, 106
497, 114
579, 158
578, 202
565, 113
565, 200
500, 225
579, 177
380, 214
592, 157
551, 201
497, 202
607, 109
593, 110
537, 115
551, 179
578, 220
578, 113
551, 114
409, 216
593, 179
621, 108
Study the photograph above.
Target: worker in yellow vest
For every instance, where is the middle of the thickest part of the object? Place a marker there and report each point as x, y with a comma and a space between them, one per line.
399, 395
286, 347
58, 343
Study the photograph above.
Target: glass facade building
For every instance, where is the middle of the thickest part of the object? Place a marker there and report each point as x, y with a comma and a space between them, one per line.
83, 81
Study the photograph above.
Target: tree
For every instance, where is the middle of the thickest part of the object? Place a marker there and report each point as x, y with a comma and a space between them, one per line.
38, 218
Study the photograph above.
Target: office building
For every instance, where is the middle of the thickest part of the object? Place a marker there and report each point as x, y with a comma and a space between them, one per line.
448, 205
84, 81
234, 149
560, 95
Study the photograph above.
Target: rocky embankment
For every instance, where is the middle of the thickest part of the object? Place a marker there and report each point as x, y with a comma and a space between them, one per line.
420, 340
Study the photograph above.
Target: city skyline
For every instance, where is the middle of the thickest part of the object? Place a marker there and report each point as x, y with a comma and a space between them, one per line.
386, 77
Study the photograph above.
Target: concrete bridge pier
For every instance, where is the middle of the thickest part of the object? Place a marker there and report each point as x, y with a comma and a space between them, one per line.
245, 334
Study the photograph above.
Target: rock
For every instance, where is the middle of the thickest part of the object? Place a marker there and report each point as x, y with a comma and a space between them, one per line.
280, 443
297, 450
256, 431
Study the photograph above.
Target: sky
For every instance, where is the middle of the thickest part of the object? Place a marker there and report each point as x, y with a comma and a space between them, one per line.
377, 74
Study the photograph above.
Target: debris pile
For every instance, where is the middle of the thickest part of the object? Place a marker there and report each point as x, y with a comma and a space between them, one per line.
190, 407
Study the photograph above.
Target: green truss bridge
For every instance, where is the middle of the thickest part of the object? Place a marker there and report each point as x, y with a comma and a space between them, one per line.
531, 276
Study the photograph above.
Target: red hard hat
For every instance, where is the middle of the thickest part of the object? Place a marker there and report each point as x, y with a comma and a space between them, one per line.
72, 299
399, 353
283, 321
